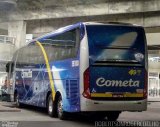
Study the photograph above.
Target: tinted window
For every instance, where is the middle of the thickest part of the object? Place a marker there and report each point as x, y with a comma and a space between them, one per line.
30, 55
107, 42
63, 46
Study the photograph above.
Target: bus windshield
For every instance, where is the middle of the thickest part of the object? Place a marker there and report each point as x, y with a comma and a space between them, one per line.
116, 43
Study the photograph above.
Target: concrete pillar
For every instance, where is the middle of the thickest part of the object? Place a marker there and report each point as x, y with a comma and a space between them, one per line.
153, 38
17, 29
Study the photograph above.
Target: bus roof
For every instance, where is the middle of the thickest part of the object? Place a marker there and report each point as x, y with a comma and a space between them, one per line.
70, 27
58, 31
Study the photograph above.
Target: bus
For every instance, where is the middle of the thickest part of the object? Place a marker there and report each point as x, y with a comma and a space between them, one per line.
89, 67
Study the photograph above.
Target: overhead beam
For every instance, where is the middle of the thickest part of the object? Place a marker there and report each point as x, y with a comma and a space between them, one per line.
48, 25
105, 8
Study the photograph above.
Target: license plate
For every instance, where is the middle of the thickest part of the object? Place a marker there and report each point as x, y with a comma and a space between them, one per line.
117, 95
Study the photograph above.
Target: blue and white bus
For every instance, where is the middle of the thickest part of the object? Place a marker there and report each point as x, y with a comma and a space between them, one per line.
86, 67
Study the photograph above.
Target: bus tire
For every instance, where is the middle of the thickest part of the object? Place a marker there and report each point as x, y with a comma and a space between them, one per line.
60, 112
16, 99
112, 116
50, 106
99, 116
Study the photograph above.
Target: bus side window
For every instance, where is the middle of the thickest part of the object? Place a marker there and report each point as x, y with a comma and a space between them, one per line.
63, 46
35, 54
26, 56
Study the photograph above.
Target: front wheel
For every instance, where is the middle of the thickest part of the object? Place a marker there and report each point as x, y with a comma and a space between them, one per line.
16, 99
61, 113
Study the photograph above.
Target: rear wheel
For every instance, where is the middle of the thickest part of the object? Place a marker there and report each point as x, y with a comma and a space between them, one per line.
61, 113
112, 116
50, 106
100, 116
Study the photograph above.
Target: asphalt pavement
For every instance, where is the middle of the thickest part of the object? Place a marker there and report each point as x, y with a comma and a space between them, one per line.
30, 116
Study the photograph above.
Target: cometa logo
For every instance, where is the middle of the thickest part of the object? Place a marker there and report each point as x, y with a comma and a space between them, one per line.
116, 83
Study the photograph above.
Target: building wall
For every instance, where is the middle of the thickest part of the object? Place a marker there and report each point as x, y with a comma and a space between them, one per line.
154, 67
6, 51
153, 38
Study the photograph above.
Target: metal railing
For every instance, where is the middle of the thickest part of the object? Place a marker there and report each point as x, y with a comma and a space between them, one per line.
6, 39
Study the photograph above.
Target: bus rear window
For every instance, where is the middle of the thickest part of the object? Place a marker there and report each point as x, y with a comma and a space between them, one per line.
115, 43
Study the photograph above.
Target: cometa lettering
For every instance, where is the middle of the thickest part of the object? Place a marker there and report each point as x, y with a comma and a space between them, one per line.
117, 83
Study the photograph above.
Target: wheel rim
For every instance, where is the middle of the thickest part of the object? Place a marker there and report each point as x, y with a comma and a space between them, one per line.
50, 106
60, 107
17, 101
